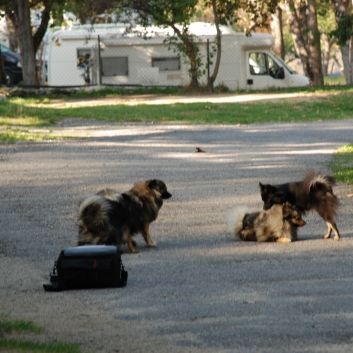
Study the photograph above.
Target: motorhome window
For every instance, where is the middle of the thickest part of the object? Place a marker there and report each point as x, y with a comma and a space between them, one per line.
115, 66
274, 69
166, 63
84, 58
258, 63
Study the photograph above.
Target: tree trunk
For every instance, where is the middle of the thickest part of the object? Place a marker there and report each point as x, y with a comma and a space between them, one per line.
342, 8
40, 32
11, 30
277, 32
26, 43
314, 45
191, 51
296, 23
303, 23
2, 71
347, 58
212, 78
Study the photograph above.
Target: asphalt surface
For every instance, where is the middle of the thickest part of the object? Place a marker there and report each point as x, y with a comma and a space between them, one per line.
200, 290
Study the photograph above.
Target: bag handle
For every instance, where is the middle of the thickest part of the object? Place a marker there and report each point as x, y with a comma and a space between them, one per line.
54, 285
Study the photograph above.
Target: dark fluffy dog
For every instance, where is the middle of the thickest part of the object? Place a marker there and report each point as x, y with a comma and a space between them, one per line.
312, 193
112, 218
279, 224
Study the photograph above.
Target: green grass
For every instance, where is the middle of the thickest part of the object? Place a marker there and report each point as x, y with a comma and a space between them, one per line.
342, 164
10, 135
15, 344
21, 112
19, 115
7, 326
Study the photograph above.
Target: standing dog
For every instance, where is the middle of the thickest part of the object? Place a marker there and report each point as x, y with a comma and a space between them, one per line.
279, 224
113, 218
312, 193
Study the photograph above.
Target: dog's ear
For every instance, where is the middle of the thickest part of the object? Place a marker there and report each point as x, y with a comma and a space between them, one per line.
264, 188
287, 210
152, 184
125, 197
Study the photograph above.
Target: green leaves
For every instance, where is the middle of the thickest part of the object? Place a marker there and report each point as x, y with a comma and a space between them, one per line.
344, 29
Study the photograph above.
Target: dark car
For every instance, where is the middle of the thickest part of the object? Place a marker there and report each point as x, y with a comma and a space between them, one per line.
12, 66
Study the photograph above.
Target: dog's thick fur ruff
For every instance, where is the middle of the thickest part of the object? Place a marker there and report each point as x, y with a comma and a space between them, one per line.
314, 192
278, 224
112, 218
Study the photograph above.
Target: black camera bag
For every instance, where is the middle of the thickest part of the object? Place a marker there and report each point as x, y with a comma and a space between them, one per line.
88, 266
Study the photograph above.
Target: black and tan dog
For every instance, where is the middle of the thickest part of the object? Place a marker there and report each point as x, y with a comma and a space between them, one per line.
278, 224
112, 218
314, 192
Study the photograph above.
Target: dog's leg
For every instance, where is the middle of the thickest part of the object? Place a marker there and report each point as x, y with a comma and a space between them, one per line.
329, 231
131, 245
147, 236
331, 226
127, 238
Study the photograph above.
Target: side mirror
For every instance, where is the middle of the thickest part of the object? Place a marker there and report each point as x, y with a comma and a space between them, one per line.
280, 73
277, 72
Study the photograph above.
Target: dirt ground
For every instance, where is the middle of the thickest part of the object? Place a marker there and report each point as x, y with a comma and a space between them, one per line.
200, 290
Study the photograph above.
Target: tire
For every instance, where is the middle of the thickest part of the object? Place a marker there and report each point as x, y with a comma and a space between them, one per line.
9, 78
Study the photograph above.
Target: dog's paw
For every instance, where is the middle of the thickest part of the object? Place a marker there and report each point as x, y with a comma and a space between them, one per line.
283, 240
152, 245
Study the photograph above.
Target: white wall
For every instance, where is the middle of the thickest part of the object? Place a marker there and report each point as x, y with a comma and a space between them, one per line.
63, 70
62, 62
140, 66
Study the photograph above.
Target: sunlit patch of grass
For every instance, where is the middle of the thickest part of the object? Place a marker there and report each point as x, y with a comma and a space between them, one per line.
20, 121
9, 135
342, 164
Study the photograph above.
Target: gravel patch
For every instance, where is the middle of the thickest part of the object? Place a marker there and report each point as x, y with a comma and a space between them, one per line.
200, 290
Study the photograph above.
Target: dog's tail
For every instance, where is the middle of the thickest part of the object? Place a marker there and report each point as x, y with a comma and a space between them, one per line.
314, 180
319, 191
93, 219
235, 220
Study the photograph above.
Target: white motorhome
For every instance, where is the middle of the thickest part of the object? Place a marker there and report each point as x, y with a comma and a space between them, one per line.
111, 54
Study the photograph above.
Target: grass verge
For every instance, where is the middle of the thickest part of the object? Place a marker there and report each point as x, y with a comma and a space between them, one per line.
342, 164
15, 345
19, 115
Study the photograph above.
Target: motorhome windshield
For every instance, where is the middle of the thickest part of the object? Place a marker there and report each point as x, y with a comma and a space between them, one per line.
284, 64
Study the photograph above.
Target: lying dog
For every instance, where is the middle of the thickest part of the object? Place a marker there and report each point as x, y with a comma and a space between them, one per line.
279, 224
112, 218
312, 193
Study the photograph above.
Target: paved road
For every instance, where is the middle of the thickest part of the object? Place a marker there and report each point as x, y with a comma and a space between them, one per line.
200, 291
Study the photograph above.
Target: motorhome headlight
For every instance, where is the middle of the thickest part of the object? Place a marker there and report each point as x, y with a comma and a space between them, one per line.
19, 64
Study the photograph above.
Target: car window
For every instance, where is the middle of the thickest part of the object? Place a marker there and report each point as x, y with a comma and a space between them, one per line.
4, 49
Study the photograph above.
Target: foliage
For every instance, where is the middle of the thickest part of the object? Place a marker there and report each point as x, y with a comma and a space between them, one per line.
89, 11
344, 30
259, 11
